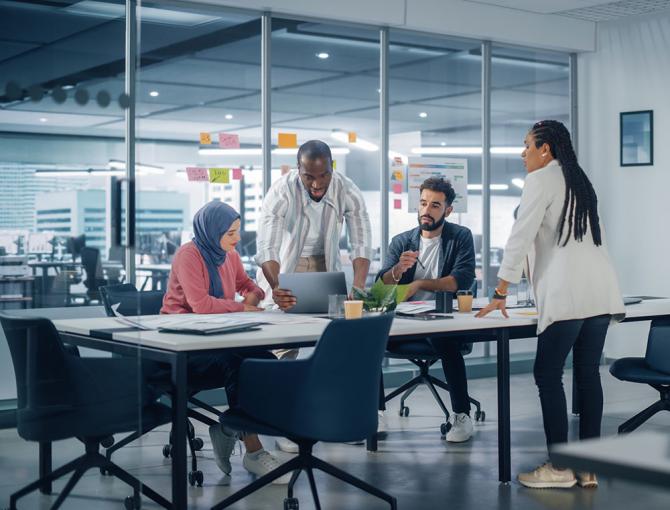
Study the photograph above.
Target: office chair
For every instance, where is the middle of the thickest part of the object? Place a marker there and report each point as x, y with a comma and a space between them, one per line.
331, 396
422, 354
90, 260
62, 396
653, 369
132, 302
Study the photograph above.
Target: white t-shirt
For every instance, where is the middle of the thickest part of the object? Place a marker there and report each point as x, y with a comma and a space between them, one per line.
429, 255
314, 243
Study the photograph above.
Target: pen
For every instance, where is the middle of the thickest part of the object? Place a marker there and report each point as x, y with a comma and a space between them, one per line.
420, 263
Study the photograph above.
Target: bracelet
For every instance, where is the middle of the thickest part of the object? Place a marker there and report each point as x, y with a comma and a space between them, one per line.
393, 275
499, 295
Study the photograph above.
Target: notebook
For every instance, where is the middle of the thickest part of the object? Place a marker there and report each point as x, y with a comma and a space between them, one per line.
209, 328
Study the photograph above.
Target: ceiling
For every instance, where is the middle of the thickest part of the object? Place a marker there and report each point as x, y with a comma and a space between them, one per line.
205, 69
590, 10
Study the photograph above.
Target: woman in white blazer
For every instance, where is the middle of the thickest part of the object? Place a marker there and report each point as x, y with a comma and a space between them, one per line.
559, 232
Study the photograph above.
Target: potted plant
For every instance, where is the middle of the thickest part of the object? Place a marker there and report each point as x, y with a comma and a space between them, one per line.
381, 297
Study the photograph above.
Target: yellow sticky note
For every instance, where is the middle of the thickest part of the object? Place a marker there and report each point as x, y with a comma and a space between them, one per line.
287, 140
397, 175
219, 175
352, 137
334, 164
205, 139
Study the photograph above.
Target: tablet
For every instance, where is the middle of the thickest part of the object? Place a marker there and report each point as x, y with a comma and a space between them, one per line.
312, 290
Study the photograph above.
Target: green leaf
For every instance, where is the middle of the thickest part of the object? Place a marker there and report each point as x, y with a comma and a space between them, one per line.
401, 293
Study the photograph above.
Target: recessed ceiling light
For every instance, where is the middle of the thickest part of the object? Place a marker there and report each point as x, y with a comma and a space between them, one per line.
443, 144
228, 116
379, 91
423, 115
43, 119
323, 55
154, 93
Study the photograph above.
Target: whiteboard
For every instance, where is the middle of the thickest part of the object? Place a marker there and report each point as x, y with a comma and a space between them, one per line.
452, 169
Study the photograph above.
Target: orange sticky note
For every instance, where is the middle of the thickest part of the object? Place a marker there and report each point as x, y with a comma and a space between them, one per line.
205, 139
287, 140
397, 188
397, 175
352, 137
229, 141
397, 204
237, 174
196, 173
285, 169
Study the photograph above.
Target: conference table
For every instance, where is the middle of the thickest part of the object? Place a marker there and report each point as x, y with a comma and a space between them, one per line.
108, 334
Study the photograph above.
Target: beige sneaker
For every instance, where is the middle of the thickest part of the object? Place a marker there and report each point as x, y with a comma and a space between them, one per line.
547, 477
587, 480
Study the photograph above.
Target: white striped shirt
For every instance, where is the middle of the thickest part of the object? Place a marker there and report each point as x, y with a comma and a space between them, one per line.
284, 223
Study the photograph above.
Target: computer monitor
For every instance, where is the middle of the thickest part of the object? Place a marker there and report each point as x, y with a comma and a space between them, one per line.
312, 290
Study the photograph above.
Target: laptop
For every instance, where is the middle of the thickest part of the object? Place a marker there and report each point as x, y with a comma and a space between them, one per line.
312, 290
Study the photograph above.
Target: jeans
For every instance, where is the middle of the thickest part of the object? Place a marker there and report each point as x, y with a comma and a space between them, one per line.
453, 365
586, 338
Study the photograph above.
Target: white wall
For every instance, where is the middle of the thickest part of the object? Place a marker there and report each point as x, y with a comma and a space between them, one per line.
451, 17
630, 70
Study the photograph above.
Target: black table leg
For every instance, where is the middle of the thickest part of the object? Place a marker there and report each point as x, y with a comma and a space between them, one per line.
179, 413
504, 442
45, 465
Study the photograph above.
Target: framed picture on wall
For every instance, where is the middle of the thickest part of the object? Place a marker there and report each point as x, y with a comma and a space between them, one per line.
636, 142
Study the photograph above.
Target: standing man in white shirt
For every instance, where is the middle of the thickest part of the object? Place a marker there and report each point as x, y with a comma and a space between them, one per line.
301, 223
437, 256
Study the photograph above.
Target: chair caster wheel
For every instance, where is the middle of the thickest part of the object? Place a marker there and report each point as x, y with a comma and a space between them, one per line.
198, 444
107, 442
404, 411
444, 428
195, 478
167, 450
291, 504
480, 416
133, 502
104, 471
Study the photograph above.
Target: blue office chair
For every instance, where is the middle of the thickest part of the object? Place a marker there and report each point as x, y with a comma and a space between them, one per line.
422, 354
62, 396
653, 369
330, 396
129, 302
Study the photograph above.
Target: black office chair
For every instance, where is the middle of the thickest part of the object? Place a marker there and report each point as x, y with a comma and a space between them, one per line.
90, 260
330, 396
653, 369
131, 302
422, 354
62, 396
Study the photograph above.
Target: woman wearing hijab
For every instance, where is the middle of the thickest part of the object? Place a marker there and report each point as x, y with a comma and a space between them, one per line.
206, 275
575, 287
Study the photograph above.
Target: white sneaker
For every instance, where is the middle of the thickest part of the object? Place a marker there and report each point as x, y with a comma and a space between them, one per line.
286, 445
223, 444
261, 463
461, 428
548, 477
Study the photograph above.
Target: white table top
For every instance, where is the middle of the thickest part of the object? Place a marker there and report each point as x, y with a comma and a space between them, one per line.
643, 456
284, 334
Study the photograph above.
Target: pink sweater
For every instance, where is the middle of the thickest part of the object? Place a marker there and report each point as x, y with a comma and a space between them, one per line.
188, 286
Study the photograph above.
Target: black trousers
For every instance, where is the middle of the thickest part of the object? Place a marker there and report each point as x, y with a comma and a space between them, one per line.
586, 338
453, 365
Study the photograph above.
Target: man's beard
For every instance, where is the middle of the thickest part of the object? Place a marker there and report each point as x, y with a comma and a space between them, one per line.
429, 227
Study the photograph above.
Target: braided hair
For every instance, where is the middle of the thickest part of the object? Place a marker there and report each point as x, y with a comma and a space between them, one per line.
581, 202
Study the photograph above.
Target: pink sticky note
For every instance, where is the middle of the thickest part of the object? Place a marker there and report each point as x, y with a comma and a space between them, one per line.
397, 204
229, 141
237, 174
397, 188
196, 173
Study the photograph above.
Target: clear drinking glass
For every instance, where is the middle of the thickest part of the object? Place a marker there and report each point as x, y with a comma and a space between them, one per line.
523, 292
336, 305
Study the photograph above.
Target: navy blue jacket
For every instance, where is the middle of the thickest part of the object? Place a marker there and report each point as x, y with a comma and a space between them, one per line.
457, 257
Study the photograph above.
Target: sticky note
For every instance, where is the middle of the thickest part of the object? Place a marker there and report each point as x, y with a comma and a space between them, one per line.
397, 188
205, 139
397, 175
229, 141
352, 137
219, 175
397, 204
287, 140
285, 169
397, 160
237, 174
334, 164
196, 173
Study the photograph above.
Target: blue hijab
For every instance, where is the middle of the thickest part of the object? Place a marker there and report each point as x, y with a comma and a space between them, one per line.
209, 224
